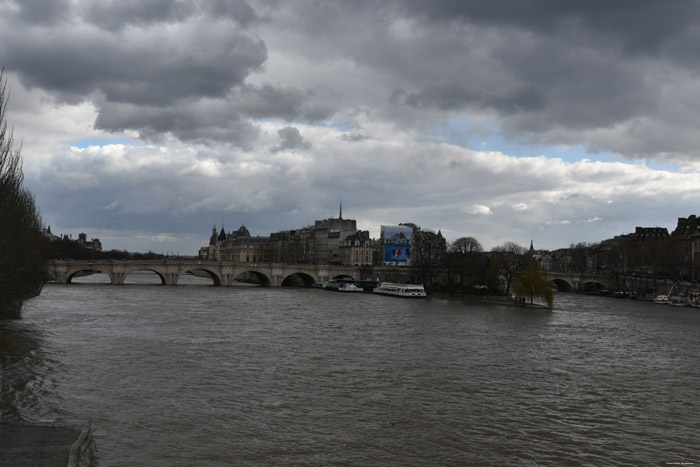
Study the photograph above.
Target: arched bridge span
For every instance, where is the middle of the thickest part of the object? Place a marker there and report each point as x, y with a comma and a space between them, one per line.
567, 281
222, 273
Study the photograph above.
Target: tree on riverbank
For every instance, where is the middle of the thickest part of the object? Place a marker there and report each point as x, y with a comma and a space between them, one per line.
534, 284
23, 248
509, 260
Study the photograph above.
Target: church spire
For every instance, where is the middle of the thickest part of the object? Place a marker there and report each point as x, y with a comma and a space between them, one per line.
340, 214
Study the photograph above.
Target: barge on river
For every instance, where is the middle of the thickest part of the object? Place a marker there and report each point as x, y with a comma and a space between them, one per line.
400, 290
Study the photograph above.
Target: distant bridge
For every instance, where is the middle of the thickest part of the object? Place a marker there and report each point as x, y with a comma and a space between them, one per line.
223, 273
567, 281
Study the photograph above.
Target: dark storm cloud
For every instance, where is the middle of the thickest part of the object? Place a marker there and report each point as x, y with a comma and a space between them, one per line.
77, 64
291, 139
117, 14
283, 102
208, 123
354, 137
454, 95
42, 12
550, 72
636, 26
547, 71
238, 10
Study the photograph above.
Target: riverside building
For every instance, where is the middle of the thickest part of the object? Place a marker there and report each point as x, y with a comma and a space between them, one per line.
328, 241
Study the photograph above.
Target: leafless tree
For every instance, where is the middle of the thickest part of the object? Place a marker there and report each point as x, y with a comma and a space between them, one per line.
23, 249
428, 252
509, 259
465, 262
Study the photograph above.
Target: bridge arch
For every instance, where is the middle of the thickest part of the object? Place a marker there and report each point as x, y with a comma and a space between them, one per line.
562, 285
296, 278
252, 276
79, 272
199, 271
593, 286
130, 271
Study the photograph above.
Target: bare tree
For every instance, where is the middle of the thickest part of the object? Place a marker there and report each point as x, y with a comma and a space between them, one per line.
428, 252
23, 249
467, 246
509, 259
464, 262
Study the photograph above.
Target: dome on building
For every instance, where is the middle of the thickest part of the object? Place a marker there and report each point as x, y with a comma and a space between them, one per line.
241, 232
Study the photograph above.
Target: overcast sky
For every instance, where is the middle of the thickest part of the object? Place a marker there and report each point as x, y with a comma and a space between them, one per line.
144, 123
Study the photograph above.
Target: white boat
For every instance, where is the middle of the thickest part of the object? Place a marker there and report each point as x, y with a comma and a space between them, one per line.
678, 301
349, 287
400, 290
332, 285
694, 299
341, 286
662, 299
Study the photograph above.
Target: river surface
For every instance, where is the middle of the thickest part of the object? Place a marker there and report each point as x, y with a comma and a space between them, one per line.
194, 375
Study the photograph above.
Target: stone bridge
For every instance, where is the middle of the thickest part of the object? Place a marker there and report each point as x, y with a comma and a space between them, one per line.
567, 281
222, 272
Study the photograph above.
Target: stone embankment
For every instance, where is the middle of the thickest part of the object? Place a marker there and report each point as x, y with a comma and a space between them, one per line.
35, 444
491, 299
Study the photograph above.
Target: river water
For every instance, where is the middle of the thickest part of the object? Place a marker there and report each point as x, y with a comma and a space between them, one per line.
196, 375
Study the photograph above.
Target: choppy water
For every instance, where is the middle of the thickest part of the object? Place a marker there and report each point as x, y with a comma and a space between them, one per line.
197, 375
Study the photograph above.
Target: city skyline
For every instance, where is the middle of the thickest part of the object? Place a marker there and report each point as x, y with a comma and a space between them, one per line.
145, 123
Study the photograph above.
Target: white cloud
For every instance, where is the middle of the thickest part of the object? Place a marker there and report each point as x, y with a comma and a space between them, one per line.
165, 238
479, 210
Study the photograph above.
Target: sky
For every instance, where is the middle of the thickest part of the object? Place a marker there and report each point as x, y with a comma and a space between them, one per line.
145, 123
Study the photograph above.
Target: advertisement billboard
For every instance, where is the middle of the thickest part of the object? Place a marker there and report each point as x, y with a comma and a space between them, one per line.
396, 242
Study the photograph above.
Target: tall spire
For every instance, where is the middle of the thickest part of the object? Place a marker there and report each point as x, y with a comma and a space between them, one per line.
340, 214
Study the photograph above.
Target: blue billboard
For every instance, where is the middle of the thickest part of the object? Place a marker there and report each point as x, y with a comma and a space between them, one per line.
396, 242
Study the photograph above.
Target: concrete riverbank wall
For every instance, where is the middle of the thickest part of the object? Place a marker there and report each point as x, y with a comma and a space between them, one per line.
46, 444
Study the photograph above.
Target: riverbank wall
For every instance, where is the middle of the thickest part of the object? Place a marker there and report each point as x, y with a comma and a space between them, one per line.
46, 444
490, 299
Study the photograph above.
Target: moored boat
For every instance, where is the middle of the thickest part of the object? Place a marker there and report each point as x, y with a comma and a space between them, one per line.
342, 286
662, 299
694, 299
400, 290
332, 285
349, 287
678, 301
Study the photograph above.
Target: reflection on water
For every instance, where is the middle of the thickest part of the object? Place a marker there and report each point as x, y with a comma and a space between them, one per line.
255, 376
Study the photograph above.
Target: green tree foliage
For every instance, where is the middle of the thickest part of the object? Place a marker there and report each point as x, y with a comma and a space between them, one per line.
533, 284
23, 248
